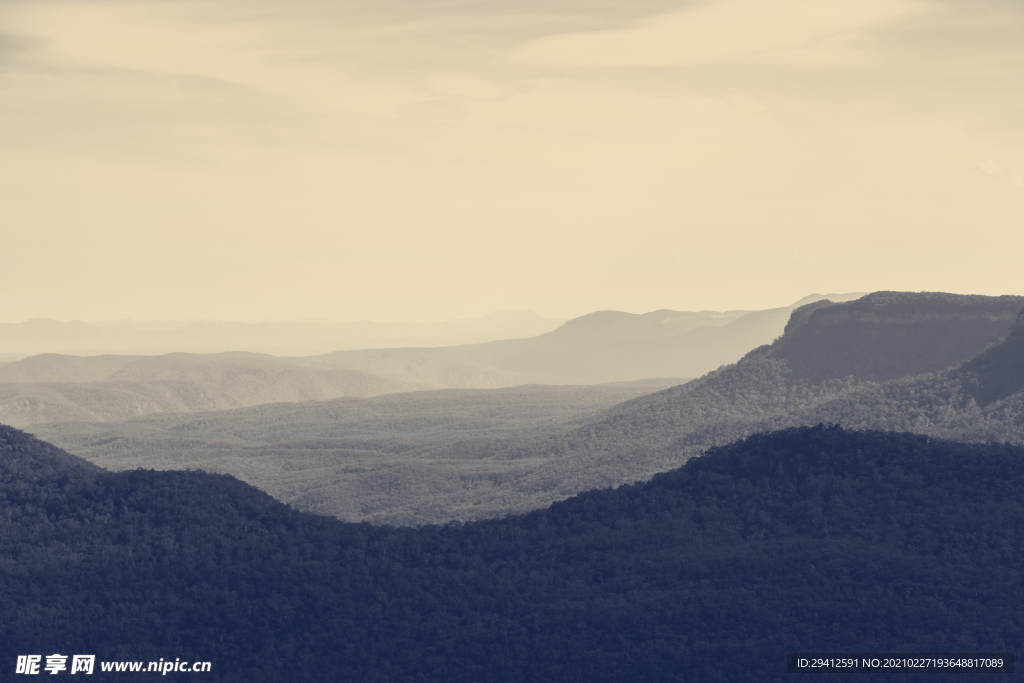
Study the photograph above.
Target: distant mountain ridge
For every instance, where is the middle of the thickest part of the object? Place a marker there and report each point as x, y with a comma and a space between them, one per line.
617, 325
598, 348
41, 335
606, 346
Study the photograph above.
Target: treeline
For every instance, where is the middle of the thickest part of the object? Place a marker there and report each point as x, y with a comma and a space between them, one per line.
811, 539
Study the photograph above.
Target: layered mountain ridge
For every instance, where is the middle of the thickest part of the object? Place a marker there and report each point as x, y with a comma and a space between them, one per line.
467, 470
599, 348
41, 335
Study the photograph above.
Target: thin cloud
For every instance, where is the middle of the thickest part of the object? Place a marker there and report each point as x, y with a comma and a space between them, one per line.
716, 32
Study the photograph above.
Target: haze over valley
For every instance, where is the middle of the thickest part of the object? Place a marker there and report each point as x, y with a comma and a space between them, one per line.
938, 364
291, 338
605, 346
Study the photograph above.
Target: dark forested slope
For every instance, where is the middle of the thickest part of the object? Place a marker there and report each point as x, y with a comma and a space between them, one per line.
807, 540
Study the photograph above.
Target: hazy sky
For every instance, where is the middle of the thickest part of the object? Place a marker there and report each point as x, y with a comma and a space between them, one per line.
430, 159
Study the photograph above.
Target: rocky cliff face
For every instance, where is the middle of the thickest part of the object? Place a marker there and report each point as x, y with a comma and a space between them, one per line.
886, 335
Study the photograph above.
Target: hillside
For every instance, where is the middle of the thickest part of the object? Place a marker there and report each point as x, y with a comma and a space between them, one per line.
809, 540
602, 347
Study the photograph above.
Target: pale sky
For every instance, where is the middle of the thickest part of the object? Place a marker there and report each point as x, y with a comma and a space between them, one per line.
431, 159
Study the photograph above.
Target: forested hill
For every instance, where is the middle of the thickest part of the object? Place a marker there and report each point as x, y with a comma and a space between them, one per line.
887, 335
807, 540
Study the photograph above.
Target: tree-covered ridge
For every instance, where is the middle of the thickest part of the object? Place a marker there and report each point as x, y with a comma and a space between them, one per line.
811, 539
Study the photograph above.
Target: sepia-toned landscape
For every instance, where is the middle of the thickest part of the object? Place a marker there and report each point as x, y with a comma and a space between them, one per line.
506, 341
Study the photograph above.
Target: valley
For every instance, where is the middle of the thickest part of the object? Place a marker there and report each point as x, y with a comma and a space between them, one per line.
432, 457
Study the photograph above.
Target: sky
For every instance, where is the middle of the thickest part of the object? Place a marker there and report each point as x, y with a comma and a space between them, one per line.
418, 160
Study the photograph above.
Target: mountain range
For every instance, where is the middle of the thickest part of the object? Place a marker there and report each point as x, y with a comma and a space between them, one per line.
889, 361
762, 527
602, 347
